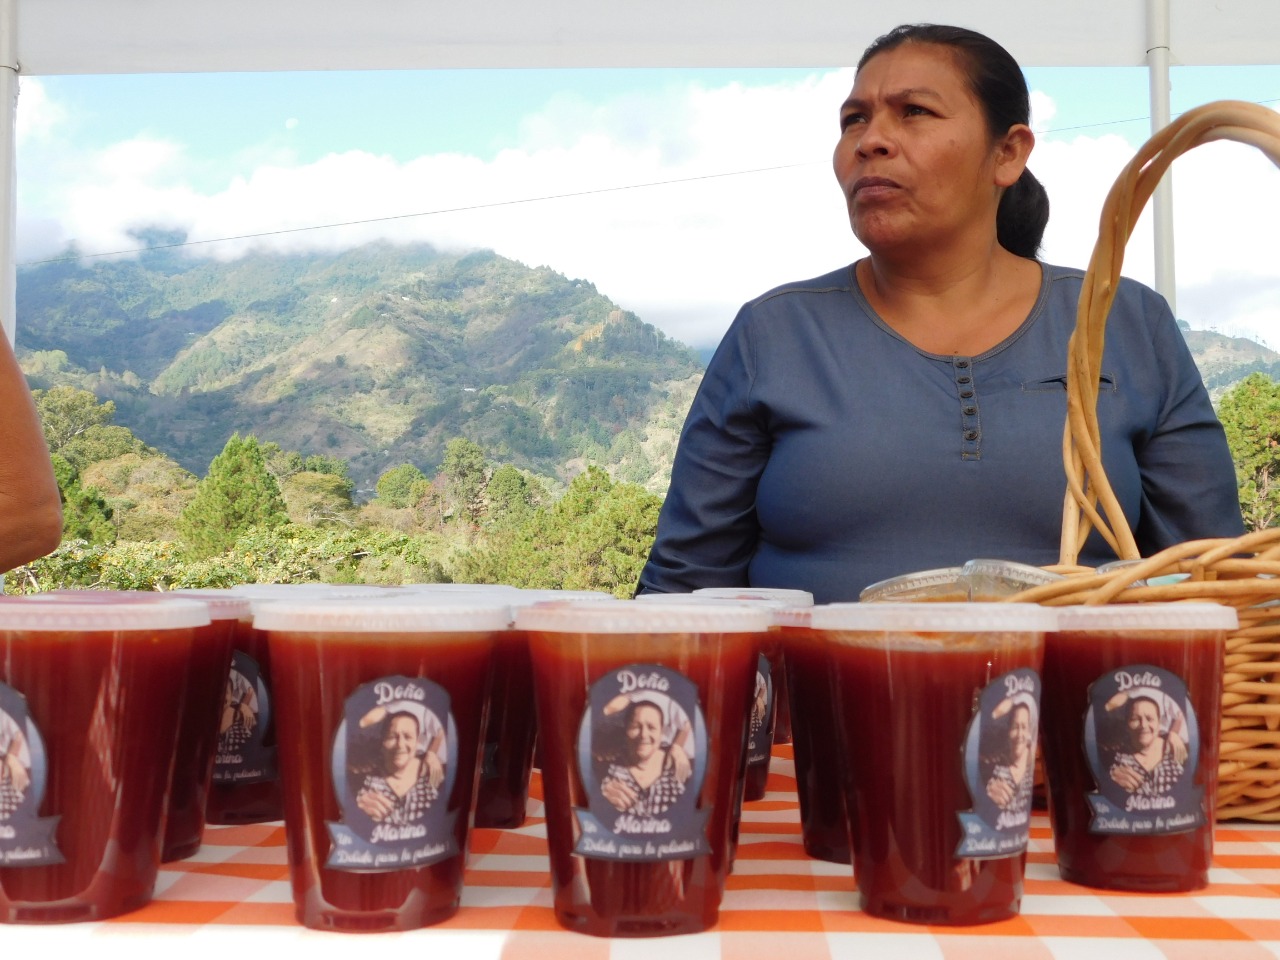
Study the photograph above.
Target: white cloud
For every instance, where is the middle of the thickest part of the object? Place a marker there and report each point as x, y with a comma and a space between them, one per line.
291, 123
683, 254
38, 116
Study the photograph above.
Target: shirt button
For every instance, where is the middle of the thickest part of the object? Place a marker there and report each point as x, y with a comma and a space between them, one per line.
964, 379
962, 364
971, 434
970, 411
966, 394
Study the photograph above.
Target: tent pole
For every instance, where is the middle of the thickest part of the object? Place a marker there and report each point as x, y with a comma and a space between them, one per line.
8, 165
1162, 201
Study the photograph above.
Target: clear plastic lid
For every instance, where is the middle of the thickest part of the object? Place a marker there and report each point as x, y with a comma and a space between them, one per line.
100, 610
945, 581
629, 616
405, 613
991, 579
795, 598
223, 605
926, 617
285, 591
1148, 616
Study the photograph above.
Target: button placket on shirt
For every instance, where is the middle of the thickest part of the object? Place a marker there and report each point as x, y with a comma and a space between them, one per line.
970, 430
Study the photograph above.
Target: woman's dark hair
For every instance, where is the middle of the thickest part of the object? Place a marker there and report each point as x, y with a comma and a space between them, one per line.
997, 83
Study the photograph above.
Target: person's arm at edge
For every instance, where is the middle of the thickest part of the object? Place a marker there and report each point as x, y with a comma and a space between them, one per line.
30, 506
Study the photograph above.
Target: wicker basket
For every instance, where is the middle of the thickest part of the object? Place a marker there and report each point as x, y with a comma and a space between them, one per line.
1244, 572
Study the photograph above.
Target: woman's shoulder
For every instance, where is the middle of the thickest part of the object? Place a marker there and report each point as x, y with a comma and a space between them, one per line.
1072, 279
838, 281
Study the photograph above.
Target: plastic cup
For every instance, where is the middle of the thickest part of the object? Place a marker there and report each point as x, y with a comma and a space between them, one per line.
199, 733
1132, 708
380, 706
819, 759
938, 708
511, 733
641, 717
776, 677
89, 712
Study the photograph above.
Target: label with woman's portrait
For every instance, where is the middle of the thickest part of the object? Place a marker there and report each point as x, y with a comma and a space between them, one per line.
999, 767
26, 840
243, 755
393, 765
1142, 742
642, 755
760, 732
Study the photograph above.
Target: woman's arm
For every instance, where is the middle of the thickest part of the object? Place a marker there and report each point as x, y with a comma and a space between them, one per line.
1189, 489
707, 529
30, 506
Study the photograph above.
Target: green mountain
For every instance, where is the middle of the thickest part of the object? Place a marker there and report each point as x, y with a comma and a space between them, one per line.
382, 354
378, 355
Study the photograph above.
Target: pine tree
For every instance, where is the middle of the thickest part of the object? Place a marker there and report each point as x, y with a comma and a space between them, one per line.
1250, 415
237, 495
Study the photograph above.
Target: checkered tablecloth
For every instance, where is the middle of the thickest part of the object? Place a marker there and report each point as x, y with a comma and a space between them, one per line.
232, 900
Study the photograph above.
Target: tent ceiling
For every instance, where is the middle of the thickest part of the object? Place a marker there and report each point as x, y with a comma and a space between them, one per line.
165, 36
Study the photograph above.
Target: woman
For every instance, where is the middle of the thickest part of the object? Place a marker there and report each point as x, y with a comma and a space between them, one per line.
906, 412
1011, 783
643, 782
408, 782
15, 766
1151, 767
30, 504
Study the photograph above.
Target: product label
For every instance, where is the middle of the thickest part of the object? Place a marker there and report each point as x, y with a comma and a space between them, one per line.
642, 756
999, 756
760, 737
242, 755
26, 840
394, 763
1142, 743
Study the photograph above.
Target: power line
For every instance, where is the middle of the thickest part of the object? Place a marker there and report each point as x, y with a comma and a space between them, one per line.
509, 203
424, 213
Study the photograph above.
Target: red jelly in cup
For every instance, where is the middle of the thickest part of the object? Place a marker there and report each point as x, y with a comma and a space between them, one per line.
380, 709
89, 712
779, 687
641, 717
511, 731
819, 760
198, 734
1132, 706
938, 709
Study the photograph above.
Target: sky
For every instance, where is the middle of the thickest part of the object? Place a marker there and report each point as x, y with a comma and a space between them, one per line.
680, 194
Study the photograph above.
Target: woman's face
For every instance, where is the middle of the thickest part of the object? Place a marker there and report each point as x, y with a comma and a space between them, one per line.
915, 160
644, 732
1144, 723
1020, 732
399, 742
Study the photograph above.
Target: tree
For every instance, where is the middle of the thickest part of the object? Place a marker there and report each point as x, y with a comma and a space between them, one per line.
596, 537
464, 471
85, 514
67, 412
318, 498
236, 496
1250, 414
401, 486
511, 495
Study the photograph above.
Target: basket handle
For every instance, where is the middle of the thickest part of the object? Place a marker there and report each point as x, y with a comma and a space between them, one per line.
1087, 485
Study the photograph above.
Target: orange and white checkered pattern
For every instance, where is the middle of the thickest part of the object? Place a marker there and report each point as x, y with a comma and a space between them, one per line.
233, 899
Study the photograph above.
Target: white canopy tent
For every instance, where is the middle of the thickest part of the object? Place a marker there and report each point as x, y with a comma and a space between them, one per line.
46, 37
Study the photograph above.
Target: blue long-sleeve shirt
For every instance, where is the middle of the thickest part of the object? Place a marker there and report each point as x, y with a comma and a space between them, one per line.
824, 452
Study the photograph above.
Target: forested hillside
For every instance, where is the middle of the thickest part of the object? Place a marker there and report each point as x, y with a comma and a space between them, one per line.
375, 356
